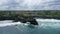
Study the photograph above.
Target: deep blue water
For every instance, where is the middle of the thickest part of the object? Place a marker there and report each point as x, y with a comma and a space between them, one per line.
46, 26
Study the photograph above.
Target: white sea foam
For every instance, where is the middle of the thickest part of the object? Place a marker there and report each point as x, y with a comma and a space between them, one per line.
8, 23
48, 20
53, 23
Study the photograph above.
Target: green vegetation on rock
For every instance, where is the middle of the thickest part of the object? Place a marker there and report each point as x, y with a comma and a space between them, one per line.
42, 13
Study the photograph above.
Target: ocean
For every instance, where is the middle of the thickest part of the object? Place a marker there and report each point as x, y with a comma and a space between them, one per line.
46, 26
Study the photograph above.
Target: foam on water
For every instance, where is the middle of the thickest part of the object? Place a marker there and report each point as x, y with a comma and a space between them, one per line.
48, 20
53, 23
46, 26
8, 23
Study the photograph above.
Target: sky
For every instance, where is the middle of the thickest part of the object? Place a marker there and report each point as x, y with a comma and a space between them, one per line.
29, 4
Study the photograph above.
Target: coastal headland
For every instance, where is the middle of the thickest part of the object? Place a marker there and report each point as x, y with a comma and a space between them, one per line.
29, 16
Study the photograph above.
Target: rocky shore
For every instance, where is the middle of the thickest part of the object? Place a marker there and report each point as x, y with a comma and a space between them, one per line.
21, 19
28, 16
25, 19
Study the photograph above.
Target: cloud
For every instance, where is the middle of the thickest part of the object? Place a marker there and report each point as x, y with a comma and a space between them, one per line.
2, 1
29, 4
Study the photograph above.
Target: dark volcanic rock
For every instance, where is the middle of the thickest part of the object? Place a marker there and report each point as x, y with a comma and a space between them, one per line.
24, 20
21, 19
33, 22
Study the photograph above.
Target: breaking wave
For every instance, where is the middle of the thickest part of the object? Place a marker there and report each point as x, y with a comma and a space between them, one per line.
8, 23
49, 23
53, 23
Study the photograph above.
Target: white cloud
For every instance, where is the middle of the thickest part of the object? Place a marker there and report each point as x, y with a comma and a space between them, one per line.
29, 4
2, 1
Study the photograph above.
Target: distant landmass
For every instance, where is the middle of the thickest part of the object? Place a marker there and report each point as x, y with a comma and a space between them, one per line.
55, 14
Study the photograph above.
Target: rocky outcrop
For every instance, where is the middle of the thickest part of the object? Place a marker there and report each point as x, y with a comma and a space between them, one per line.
25, 20
33, 21
21, 19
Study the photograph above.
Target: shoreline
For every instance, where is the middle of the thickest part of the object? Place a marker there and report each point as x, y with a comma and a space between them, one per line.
29, 18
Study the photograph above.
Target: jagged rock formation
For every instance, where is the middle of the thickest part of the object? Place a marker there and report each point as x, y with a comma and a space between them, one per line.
25, 20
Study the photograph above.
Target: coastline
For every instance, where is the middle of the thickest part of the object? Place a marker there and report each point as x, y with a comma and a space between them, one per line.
16, 15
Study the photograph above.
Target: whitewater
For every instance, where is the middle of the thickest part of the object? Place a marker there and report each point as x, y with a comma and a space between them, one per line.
45, 26
42, 23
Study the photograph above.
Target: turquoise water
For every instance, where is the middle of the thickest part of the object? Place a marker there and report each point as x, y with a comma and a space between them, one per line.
46, 26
